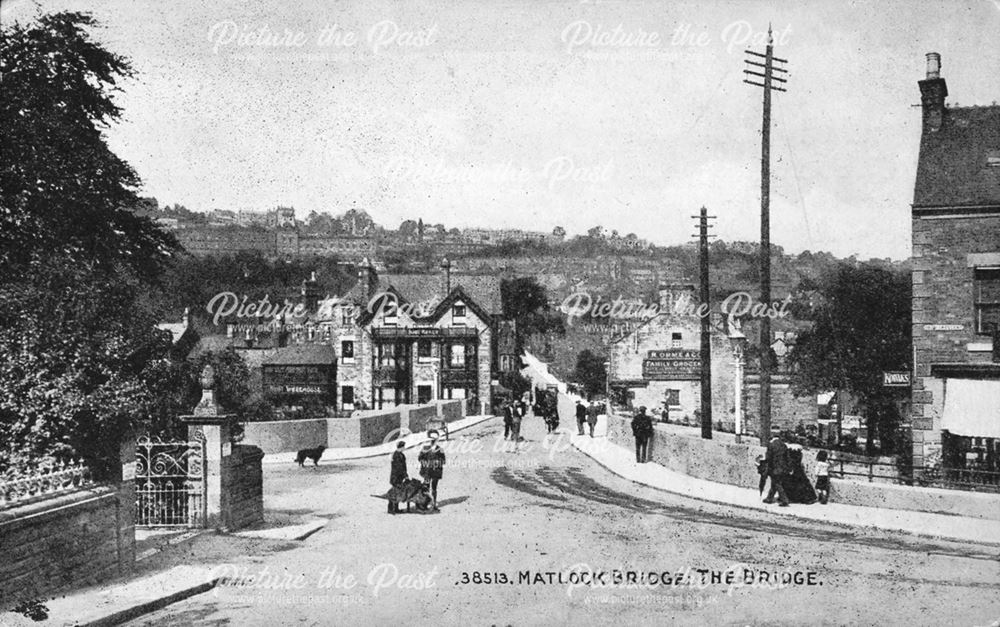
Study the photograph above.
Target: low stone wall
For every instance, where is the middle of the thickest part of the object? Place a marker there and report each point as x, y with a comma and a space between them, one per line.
75, 539
420, 415
374, 429
244, 497
472, 407
722, 460
451, 411
343, 432
276, 436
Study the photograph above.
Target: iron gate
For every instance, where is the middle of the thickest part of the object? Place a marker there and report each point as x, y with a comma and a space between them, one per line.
169, 483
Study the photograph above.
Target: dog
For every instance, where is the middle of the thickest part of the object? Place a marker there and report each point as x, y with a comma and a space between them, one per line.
410, 491
310, 453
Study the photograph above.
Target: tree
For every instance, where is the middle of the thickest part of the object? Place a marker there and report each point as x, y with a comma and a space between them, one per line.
76, 337
526, 302
62, 190
861, 328
559, 232
590, 373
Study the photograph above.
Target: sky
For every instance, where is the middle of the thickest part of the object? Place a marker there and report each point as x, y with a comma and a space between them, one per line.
537, 113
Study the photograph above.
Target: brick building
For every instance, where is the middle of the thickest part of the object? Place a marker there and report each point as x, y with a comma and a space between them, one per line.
956, 281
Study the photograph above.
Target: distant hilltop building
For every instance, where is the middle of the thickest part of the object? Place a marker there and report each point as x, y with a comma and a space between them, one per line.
208, 240
495, 237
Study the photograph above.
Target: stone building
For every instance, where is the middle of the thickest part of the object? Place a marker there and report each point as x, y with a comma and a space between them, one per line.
956, 281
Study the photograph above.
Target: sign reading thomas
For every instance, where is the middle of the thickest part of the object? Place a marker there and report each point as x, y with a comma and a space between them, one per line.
896, 379
673, 364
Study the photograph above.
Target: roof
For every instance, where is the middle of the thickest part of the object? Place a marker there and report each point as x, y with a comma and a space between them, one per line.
302, 355
427, 289
952, 170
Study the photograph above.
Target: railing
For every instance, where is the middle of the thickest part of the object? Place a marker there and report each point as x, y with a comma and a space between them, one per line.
924, 476
46, 480
170, 483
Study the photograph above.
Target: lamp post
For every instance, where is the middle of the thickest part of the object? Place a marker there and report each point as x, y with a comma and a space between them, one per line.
739, 342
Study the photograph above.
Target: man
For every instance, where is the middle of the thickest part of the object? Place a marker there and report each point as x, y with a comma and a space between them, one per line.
508, 417
518, 412
592, 412
397, 473
776, 460
432, 465
581, 415
642, 429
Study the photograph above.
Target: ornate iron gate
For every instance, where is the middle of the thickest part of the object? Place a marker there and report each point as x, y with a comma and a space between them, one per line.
169, 483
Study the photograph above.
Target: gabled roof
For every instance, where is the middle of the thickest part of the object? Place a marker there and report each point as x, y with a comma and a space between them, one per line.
953, 168
483, 290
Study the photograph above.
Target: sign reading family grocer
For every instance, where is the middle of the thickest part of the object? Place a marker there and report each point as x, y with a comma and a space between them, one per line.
673, 364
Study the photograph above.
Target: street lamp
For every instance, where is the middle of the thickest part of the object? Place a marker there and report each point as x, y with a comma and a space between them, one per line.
739, 342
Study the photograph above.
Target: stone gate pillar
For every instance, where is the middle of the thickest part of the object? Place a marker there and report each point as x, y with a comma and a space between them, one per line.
211, 425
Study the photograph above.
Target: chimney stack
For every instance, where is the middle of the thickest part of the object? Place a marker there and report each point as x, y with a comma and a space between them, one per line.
310, 293
933, 91
368, 278
445, 277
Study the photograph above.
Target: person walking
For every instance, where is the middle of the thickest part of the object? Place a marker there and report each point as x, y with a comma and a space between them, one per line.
642, 430
518, 412
432, 461
397, 473
592, 412
777, 468
823, 477
581, 415
508, 417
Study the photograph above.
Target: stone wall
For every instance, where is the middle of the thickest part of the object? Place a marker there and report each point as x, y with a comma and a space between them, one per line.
787, 410
374, 429
722, 460
276, 436
420, 415
945, 255
74, 539
450, 411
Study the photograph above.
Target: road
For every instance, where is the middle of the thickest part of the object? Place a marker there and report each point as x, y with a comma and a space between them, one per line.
519, 520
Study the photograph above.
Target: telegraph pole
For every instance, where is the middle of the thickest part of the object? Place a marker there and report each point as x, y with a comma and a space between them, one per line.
705, 312
752, 76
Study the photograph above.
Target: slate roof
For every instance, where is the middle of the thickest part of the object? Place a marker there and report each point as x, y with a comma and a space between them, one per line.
952, 170
428, 288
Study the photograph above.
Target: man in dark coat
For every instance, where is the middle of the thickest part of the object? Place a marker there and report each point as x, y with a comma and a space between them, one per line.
397, 473
777, 468
508, 418
432, 465
581, 415
642, 429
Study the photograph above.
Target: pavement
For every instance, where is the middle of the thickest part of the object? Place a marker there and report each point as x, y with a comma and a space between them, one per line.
386, 448
621, 461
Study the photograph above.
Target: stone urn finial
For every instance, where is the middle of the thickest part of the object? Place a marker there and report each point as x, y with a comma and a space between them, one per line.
208, 377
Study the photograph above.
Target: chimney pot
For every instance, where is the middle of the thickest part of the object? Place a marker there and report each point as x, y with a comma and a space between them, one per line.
933, 65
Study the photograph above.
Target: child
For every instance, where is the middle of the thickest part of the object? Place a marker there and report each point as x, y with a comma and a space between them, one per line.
822, 477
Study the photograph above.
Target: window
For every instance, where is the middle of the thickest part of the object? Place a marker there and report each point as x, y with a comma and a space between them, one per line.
675, 340
673, 398
346, 315
347, 351
424, 394
387, 354
986, 297
347, 397
423, 349
457, 357
454, 393
458, 314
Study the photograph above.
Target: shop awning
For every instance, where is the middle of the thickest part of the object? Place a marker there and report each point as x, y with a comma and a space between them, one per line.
972, 407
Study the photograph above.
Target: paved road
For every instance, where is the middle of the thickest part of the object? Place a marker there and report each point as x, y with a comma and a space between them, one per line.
549, 509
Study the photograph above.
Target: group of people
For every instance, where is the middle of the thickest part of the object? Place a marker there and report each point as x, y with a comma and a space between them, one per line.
513, 413
782, 466
431, 459
587, 414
